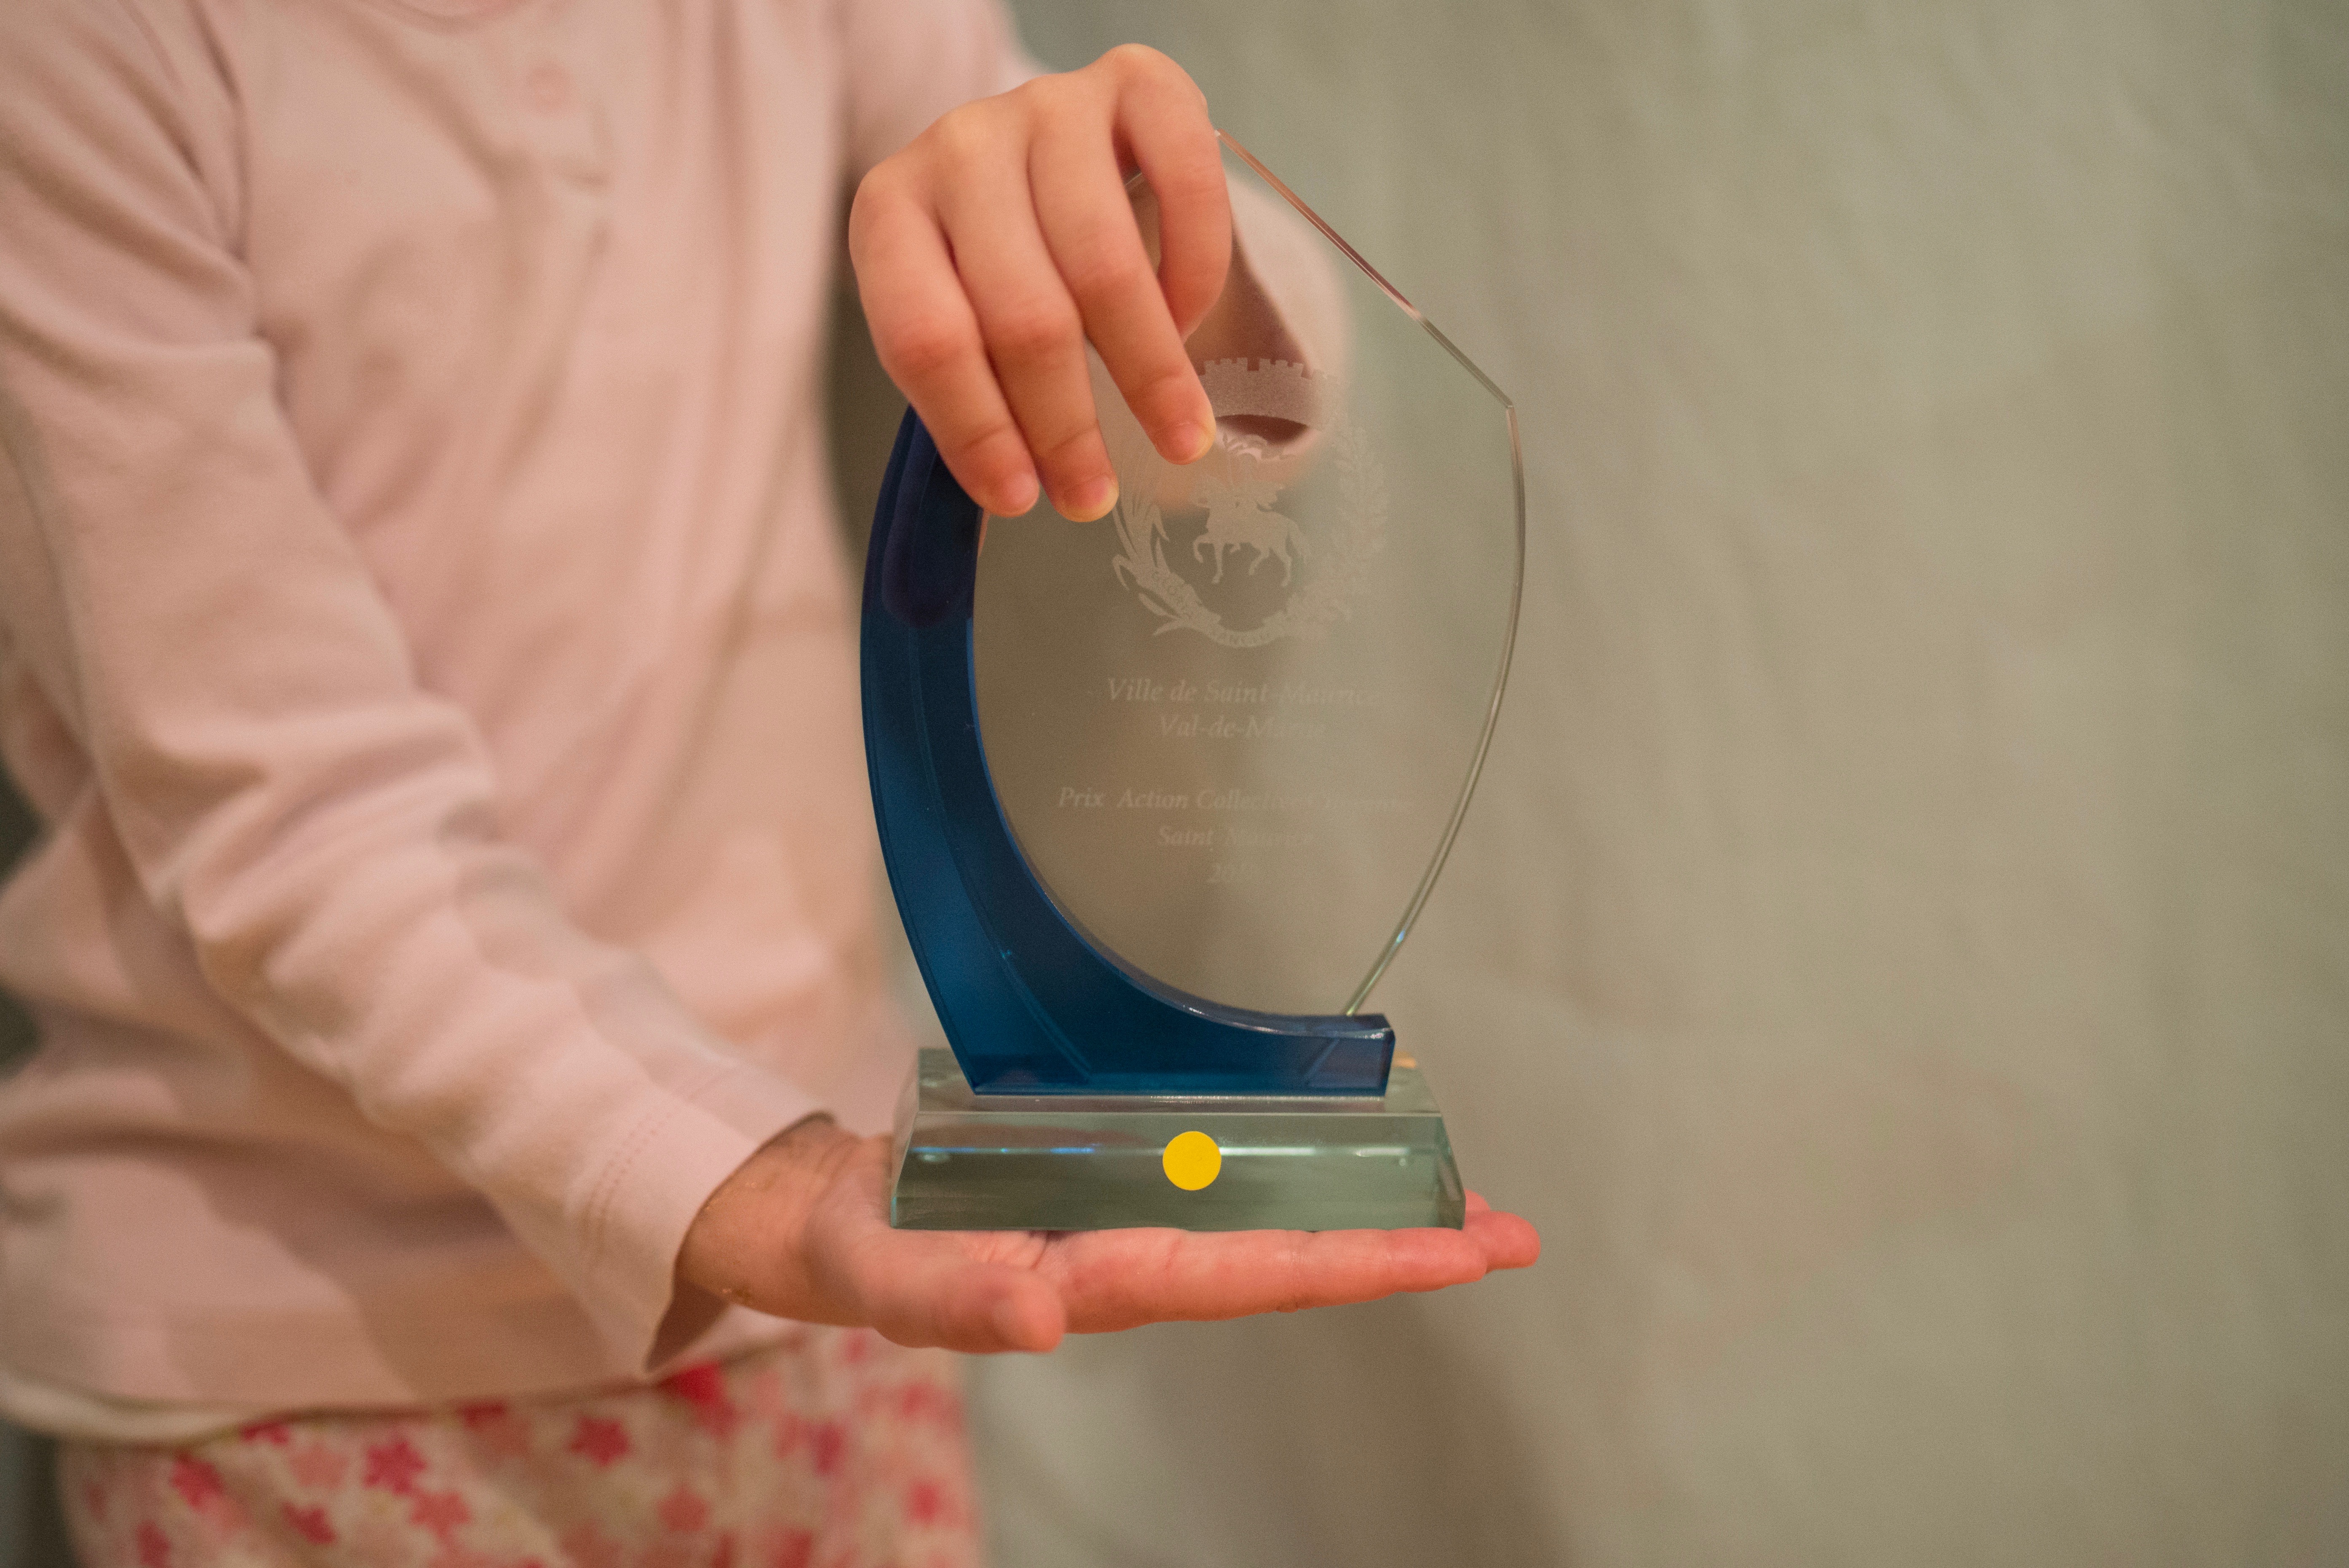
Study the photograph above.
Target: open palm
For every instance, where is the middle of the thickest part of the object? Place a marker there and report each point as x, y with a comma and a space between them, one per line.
802, 1231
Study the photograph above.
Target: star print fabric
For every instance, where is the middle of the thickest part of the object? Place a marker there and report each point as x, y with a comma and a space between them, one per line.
837, 1450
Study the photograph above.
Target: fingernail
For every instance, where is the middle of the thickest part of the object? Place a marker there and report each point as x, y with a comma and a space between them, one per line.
1091, 499
1189, 441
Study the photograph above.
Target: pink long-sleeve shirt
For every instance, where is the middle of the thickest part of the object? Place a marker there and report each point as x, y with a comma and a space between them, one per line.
423, 637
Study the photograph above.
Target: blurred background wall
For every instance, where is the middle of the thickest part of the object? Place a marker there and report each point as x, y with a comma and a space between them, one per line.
1900, 952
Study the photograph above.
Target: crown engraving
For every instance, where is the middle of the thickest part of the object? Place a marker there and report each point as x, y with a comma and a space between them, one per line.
1270, 389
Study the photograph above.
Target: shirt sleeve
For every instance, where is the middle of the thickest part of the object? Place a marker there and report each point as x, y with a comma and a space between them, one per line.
321, 827
909, 62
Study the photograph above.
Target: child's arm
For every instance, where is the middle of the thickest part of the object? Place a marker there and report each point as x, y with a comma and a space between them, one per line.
202, 657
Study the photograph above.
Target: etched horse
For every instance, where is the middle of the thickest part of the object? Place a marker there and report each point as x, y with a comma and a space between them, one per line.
1240, 516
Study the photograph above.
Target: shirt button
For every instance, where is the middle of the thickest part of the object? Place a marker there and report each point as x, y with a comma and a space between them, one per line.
547, 88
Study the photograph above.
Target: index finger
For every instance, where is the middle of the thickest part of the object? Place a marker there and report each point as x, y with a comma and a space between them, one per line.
1162, 123
1088, 225
1135, 317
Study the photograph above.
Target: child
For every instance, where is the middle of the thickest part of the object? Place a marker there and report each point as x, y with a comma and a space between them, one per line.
423, 637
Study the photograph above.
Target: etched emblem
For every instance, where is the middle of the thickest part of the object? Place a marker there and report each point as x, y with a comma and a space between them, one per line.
1237, 487
1239, 511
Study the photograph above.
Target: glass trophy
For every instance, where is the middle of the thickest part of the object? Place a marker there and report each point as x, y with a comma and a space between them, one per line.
1162, 794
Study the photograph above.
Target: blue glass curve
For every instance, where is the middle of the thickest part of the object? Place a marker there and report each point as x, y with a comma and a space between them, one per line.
1030, 1004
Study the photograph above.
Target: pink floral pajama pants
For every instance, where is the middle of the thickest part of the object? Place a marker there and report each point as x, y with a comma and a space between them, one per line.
837, 1450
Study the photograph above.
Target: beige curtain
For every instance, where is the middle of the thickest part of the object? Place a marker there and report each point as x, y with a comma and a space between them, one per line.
1900, 955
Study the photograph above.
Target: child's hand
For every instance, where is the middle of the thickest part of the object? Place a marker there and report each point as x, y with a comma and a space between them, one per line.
801, 1231
990, 249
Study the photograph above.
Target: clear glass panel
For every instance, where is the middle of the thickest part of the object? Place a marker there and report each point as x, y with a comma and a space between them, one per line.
1233, 723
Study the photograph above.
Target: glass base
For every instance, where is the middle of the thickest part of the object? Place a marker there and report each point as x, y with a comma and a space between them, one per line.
1060, 1162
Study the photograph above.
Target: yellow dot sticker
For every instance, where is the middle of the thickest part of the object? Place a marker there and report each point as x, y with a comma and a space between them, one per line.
1193, 1160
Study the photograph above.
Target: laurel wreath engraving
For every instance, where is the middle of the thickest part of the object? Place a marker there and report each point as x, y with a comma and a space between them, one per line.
1339, 569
